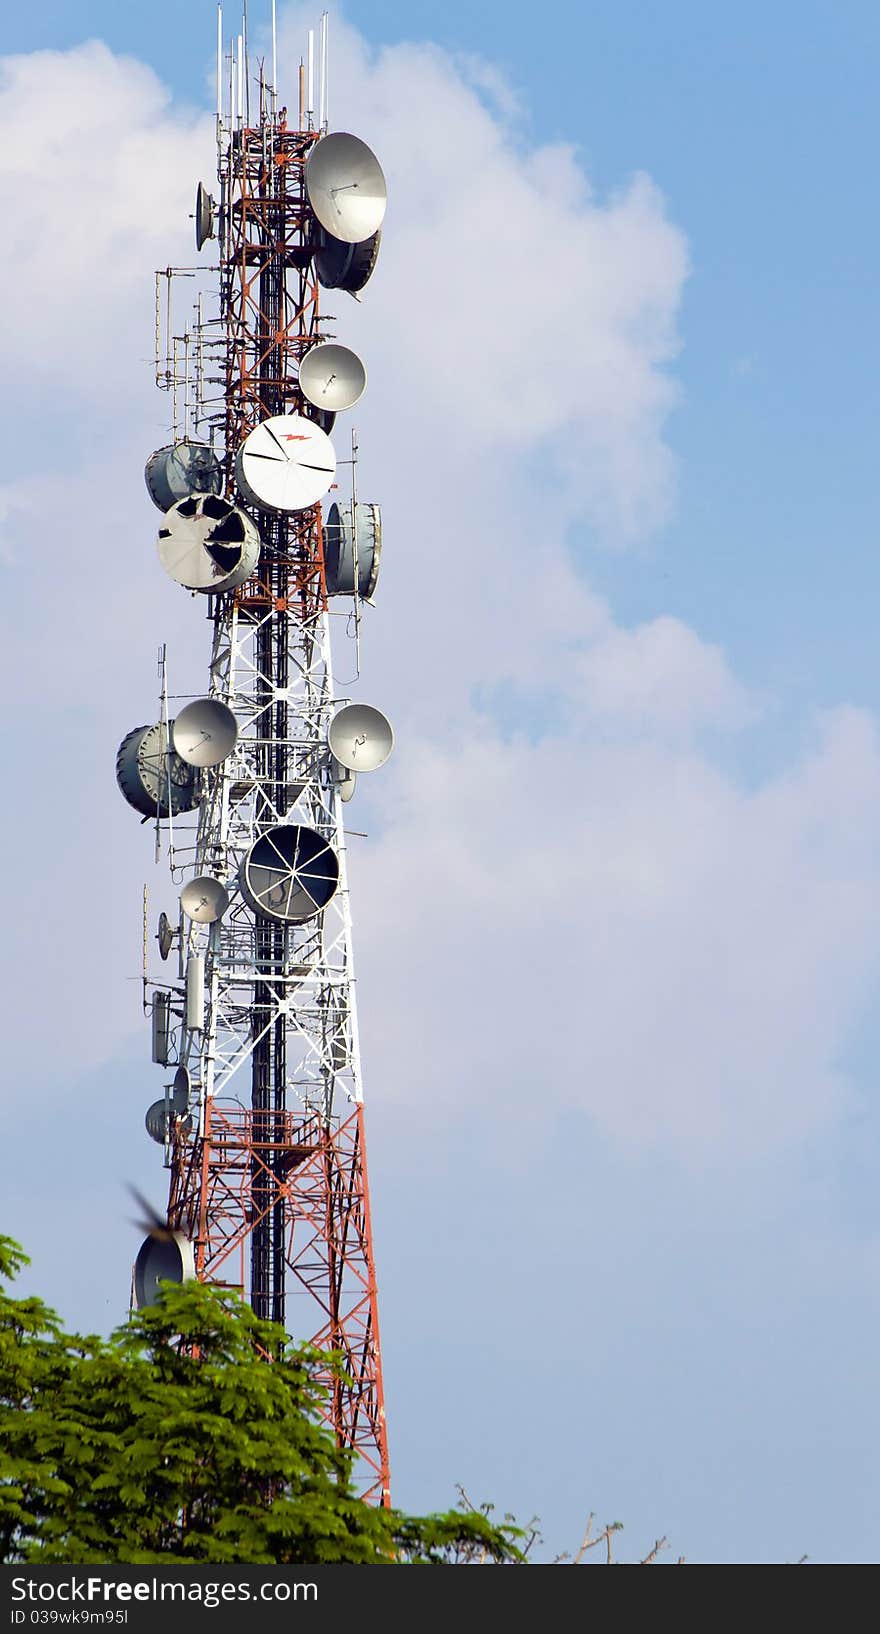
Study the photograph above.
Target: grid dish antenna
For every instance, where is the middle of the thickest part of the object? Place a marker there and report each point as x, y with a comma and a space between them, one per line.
204, 899
339, 550
180, 469
332, 377
286, 464
205, 732
361, 738
346, 187
150, 778
290, 873
169, 1258
205, 208
206, 544
346, 266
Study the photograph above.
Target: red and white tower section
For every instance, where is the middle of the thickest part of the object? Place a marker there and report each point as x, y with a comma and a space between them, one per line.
252, 997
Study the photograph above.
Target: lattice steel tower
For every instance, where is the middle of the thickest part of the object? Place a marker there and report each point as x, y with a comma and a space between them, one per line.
262, 1118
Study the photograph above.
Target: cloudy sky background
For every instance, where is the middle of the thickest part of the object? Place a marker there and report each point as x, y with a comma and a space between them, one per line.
616, 918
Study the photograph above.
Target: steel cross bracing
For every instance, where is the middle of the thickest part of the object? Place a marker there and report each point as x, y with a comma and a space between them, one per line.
270, 1179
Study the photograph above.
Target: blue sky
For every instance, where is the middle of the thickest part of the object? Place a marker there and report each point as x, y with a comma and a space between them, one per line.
624, 1169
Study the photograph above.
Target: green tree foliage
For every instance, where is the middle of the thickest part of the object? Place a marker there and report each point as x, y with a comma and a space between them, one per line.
144, 1449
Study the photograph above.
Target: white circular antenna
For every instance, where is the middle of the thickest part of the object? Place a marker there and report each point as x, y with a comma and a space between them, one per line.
151, 778
290, 873
346, 187
205, 732
332, 377
346, 266
168, 1258
361, 738
346, 780
181, 469
204, 899
286, 464
207, 544
351, 555
158, 1122
165, 935
204, 216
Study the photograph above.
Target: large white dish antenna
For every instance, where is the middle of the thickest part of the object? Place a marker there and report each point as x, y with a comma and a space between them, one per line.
149, 776
344, 575
286, 464
180, 469
206, 544
361, 738
346, 187
332, 377
346, 266
162, 1260
290, 873
204, 899
205, 732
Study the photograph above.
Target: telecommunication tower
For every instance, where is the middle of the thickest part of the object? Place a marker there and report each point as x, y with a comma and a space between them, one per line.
261, 1120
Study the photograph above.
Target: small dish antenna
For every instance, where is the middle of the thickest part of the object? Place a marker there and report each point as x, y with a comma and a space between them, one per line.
150, 778
290, 873
361, 738
207, 544
205, 732
180, 1091
332, 377
339, 551
181, 469
286, 464
169, 1258
204, 899
205, 208
157, 1122
345, 779
346, 187
346, 266
165, 935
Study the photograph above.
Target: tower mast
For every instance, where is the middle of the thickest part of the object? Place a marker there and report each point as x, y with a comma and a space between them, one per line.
263, 1124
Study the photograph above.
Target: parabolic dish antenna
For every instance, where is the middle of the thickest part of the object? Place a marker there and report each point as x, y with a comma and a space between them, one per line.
165, 935
180, 1091
345, 779
206, 544
149, 776
290, 873
346, 187
204, 215
162, 1260
205, 732
180, 469
204, 899
157, 1121
346, 266
361, 738
339, 550
286, 464
332, 377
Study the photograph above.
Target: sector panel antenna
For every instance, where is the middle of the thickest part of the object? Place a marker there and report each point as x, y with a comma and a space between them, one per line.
346, 266
287, 463
332, 377
346, 187
352, 552
361, 737
290, 873
181, 469
205, 732
162, 1259
204, 899
207, 544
